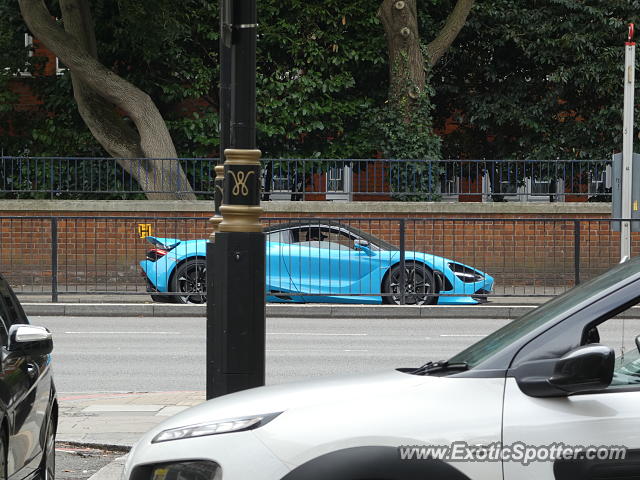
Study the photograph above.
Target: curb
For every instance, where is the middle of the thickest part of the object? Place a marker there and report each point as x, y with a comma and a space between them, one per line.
98, 446
291, 311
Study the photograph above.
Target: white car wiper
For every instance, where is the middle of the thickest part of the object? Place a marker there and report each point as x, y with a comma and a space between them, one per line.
439, 366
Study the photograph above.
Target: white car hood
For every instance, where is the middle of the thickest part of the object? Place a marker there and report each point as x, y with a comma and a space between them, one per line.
334, 413
278, 398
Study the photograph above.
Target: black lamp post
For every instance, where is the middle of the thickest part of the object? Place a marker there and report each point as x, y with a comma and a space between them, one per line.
236, 249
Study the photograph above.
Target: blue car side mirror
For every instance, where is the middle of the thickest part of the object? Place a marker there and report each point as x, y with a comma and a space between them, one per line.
363, 245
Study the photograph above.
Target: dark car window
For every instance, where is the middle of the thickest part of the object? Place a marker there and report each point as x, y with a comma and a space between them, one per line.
4, 322
4, 328
299, 232
488, 346
340, 237
14, 312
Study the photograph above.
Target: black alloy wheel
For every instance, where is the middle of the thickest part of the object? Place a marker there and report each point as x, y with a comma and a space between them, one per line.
419, 285
190, 281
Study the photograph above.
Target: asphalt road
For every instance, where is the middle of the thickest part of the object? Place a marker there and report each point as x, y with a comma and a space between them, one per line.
78, 463
165, 354
114, 354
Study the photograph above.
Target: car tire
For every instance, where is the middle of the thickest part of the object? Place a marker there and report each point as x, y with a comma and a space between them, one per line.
163, 298
48, 462
189, 281
420, 285
3, 455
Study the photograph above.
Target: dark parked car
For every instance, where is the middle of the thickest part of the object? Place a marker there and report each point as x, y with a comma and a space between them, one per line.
28, 404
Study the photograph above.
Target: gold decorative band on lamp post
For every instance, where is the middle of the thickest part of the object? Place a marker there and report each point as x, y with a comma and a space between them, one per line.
240, 207
218, 191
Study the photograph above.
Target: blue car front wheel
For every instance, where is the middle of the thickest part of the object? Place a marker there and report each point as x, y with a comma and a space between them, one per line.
419, 285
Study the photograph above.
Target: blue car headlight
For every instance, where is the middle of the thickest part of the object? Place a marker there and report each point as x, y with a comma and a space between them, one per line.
465, 274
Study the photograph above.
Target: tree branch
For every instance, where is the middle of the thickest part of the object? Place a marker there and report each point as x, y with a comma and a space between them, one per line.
155, 139
97, 90
118, 138
449, 32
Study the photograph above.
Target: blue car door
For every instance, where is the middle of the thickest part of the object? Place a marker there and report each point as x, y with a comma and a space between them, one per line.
330, 268
278, 274
278, 277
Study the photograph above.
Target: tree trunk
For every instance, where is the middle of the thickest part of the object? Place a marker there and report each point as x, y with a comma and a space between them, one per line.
99, 93
406, 60
406, 63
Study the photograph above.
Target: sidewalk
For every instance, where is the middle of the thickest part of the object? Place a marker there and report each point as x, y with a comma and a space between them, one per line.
115, 421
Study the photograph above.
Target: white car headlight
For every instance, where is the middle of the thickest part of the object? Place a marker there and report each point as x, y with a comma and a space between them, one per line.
214, 428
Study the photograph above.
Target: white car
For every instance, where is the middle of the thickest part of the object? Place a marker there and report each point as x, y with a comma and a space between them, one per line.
542, 398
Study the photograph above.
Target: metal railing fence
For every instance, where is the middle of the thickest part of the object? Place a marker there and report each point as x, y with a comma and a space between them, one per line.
57, 256
314, 179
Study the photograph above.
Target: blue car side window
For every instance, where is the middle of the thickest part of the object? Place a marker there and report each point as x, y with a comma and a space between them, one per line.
324, 244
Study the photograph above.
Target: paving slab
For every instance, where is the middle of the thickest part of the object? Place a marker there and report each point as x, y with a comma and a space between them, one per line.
118, 419
111, 471
123, 408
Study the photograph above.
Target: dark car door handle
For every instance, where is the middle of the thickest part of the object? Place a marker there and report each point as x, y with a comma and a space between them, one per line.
32, 370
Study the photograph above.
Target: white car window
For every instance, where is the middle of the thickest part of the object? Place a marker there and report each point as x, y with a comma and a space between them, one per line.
323, 244
283, 236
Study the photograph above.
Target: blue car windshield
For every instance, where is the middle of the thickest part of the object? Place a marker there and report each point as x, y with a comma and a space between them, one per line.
488, 346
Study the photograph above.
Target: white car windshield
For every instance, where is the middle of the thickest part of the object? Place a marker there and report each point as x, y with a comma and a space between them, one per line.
480, 351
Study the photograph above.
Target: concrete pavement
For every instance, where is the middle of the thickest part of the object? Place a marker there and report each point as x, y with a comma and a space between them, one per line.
115, 421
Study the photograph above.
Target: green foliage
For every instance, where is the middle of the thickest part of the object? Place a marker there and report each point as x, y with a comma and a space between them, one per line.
321, 69
536, 79
405, 129
524, 79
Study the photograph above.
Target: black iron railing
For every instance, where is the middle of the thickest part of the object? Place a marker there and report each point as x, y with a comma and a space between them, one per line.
313, 179
57, 257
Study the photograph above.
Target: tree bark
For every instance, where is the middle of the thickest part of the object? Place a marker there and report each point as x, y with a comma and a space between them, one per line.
406, 62
455, 21
98, 91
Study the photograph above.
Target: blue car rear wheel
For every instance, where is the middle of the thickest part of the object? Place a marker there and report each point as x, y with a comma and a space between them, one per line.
189, 281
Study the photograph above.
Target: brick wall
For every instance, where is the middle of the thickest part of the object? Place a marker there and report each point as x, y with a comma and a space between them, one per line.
98, 249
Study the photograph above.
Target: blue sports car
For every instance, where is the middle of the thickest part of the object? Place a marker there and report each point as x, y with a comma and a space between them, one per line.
322, 262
